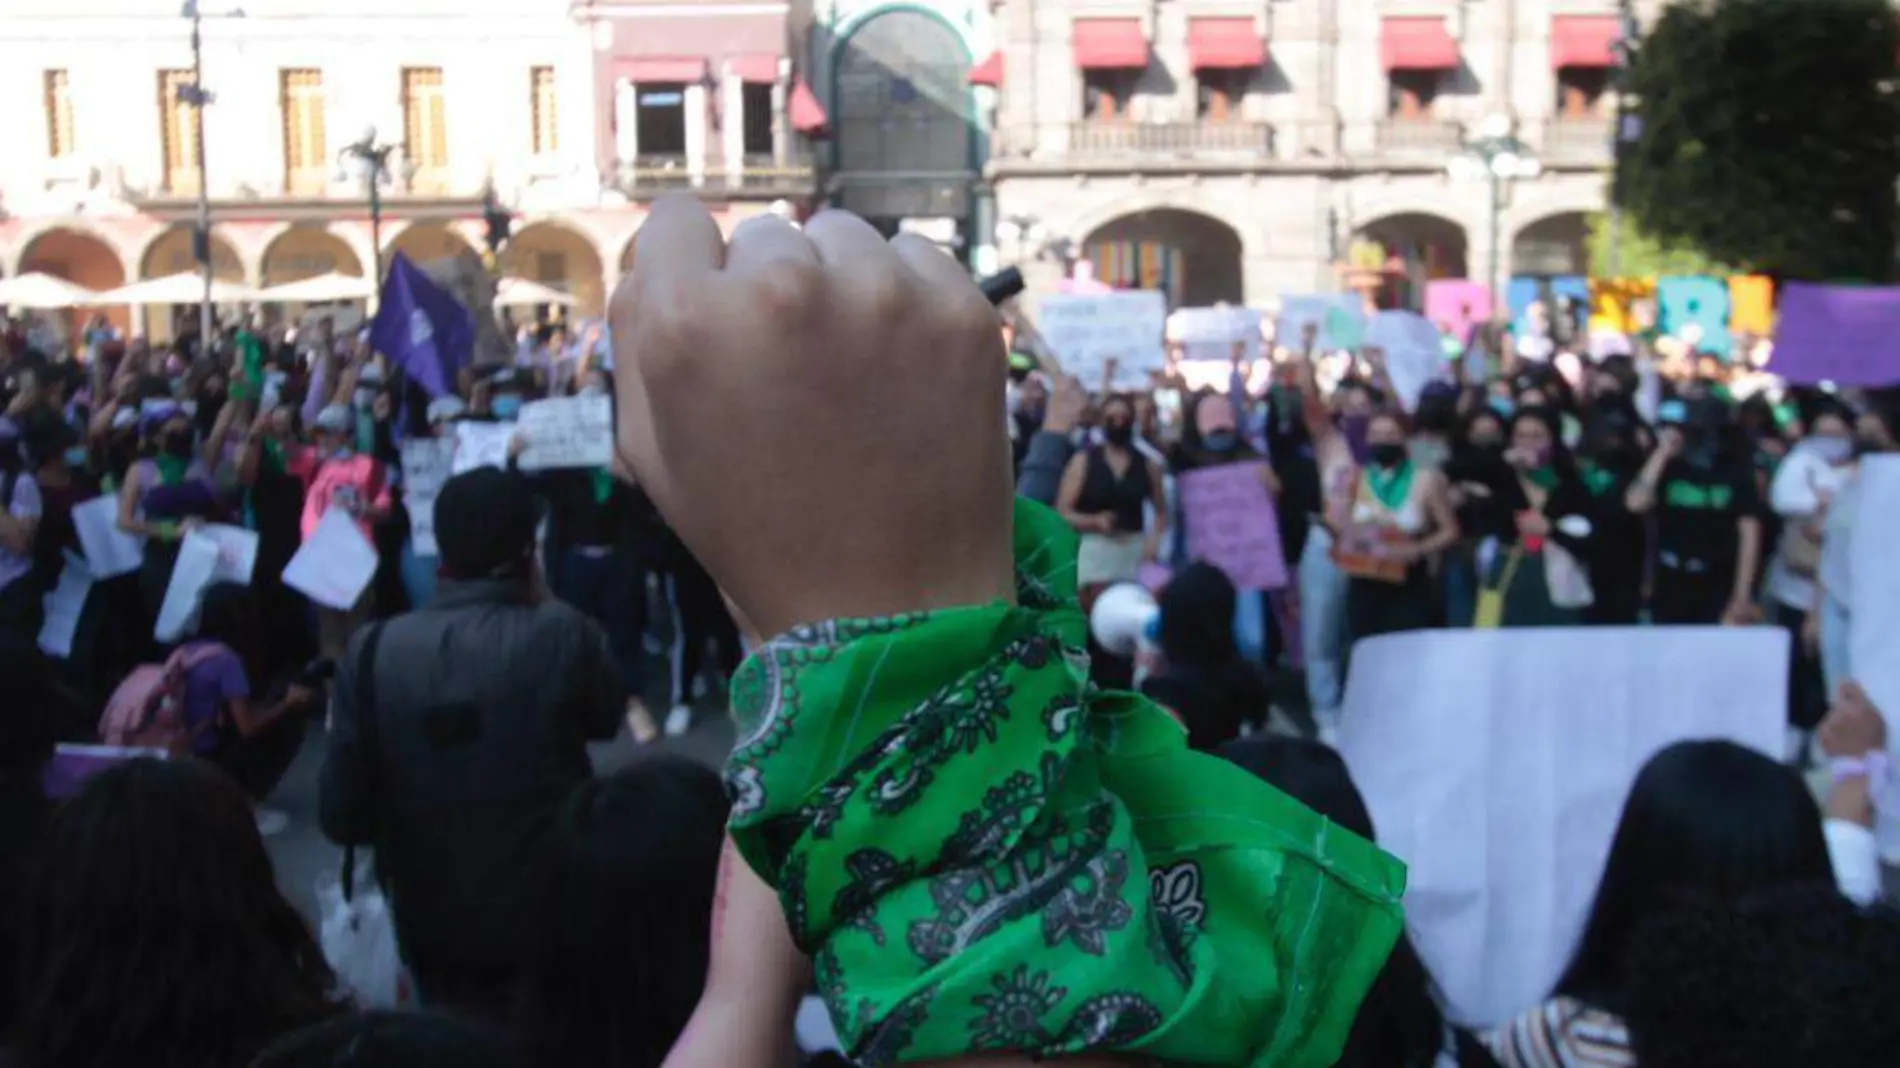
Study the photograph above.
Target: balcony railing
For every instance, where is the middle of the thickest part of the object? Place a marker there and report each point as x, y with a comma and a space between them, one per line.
1179, 140
1578, 140
759, 174
1419, 137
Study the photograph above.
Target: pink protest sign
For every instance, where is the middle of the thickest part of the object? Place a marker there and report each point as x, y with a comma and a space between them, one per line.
1231, 524
1457, 304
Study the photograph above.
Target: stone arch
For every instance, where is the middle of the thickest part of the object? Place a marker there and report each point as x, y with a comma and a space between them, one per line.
83, 258
429, 241
1193, 257
1408, 249
306, 251
560, 256
1557, 244
170, 252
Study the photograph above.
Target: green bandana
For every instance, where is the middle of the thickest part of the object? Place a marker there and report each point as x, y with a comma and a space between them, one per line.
1391, 487
603, 482
171, 469
1544, 478
271, 457
984, 854
1596, 479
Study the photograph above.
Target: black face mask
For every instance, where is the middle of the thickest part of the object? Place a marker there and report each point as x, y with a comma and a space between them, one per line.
1387, 454
1118, 436
178, 443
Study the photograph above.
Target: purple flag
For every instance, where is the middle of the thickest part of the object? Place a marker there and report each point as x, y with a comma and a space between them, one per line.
422, 328
1847, 335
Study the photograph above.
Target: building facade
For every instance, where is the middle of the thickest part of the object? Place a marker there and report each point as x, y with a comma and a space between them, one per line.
574, 114
1234, 150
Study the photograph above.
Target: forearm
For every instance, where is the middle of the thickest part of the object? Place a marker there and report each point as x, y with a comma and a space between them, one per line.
1747, 558
754, 977
1041, 476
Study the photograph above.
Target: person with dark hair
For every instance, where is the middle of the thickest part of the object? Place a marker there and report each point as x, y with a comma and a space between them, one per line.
253, 739
155, 936
456, 732
1534, 570
1204, 680
707, 641
20, 508
28, 733
1704, 818
1609, 456
622, 923
1876, 431
1400, 1024
165, 493
1107, 494
1399, 516
394, 1040
1707, 510
1798, 978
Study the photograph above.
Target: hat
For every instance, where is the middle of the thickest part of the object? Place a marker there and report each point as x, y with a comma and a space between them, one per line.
336, 419
484, 521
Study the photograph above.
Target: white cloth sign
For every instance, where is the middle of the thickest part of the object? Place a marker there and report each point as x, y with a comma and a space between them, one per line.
110, 552
1086, 330
63, 605
237, 552
567, 432
199, 558
1495, 764
1210, 333
426, 463
482, 445
335, 564
1414, 352
1873, 599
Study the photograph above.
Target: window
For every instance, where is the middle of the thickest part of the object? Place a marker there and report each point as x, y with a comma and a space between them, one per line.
306, 152
178, 130
546, 136
1222, 94
662, 120
1106, 94
59, 115
757, 100
1581, 91
425, 128
1412, 93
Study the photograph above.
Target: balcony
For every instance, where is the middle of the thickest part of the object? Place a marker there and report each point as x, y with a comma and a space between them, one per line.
760, 175
1180, 140
1419, 138
1577, 140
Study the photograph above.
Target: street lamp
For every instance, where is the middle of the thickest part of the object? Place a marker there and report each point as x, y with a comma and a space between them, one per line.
1494, 156
196, 96
1628, 43
372, 161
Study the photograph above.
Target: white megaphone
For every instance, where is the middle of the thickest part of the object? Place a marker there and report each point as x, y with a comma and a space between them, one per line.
1122, 617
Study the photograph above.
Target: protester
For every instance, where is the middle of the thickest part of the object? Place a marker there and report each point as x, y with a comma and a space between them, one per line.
1114, 496
241, 727
1203, 679
19, 523
341, 476
166, 493
1536, 570
707, 650
1404, 515
456, 731
1805, 484
1708, 527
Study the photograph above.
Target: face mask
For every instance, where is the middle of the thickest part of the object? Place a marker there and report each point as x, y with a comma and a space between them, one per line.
1118, 436
1487, 446
178, 443
1831, 449
76, 457
1537, 458
1387, 454
1219, 440
507, 406
1504, 406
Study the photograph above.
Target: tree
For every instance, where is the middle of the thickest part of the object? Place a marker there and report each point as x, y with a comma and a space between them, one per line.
1641, 255
1769, 135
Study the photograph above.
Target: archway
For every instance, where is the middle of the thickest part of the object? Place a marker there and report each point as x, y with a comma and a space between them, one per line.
905, 145
82, 259
172, 254
1412, 248
305, 252
1553, 246
427, 242
556, 256
1193, 258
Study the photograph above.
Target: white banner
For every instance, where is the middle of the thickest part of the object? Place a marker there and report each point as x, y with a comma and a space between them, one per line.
110, 552
64, 605
1414, 352
426, 464
1086, 330
1211, 333
1496, 763
1873, 633
335, 564
567, 432
195, 569
481, 445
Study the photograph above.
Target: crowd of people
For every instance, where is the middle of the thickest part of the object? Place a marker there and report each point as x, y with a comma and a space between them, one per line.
943, 821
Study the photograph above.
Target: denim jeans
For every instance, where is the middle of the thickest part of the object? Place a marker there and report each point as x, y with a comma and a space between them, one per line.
1322, 623
607, 588
418, 575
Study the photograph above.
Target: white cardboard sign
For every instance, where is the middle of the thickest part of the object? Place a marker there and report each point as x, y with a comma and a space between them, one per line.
1086, 330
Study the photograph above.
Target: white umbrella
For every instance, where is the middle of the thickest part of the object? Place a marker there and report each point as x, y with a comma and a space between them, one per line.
176, 289
36, 290
521, 293
322, 288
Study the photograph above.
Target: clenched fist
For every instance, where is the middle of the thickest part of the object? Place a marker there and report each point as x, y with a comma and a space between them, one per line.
818, 414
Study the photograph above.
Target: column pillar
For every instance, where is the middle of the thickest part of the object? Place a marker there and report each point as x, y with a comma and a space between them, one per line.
695, 107
626, 123
732, 133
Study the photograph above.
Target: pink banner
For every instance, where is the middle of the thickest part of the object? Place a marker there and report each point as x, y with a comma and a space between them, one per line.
1231, 524
1457, 304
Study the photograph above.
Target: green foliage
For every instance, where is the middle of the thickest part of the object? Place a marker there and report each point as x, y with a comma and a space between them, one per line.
1641, 255
1770, 135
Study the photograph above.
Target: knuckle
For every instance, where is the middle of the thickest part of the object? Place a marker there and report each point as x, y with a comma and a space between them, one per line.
789, 290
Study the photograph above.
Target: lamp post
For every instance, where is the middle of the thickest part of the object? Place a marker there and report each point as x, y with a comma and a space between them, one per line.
372, 160
1495, 156
196, 96
1628, 36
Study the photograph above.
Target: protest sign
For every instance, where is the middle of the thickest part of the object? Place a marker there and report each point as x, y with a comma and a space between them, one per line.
1873, 633
1683, 303
567, 432
1847, 335
63, 606
1086, 330
426, 464
1613, 303
335, 564
1457, 304
195, 569
1751, 304
237, 552
1414, 352
482, 445
1211, 333
1231, 524
1495, 763
1339, 318
110, 552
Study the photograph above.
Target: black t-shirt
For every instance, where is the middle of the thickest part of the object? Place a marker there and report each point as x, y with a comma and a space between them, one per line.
1696, 514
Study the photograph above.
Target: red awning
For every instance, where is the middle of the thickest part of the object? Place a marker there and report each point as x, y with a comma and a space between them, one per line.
1225, 44
662, 70
1583, 41
989, 72
1110, 44
1417, 44
755, 68
807, 114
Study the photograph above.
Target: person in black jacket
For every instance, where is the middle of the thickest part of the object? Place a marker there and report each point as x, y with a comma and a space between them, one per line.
1205, 681
1550, 513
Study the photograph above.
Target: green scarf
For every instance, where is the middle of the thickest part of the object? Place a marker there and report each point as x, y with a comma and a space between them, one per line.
603, 482
1391, 486
1596, 479
983, 853
271, 457
171, 469
1544, 478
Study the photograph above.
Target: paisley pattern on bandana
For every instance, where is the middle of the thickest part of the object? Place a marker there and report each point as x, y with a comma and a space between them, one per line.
982, 853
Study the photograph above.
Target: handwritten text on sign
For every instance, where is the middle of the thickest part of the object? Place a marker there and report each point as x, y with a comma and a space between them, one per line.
1231, 524
425, 466
1087, 330
567, 432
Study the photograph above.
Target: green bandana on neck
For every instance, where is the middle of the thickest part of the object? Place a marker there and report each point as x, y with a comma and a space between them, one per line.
272, 457
1544, 478
1391, 487
1596, 479
603, 481
171, 469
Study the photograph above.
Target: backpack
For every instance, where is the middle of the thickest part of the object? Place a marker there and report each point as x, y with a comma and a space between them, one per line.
147, 710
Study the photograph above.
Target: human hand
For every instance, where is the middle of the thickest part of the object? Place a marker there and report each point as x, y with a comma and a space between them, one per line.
1740, 612
1405, 552
1811, 633
1150, 549
1669, 442
517, 445
746, 371
1533, 524
1067, 401
1853, 725
1109, 367
299, 696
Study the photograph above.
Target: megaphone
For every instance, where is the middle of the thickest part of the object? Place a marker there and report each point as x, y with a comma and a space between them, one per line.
1122, 617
